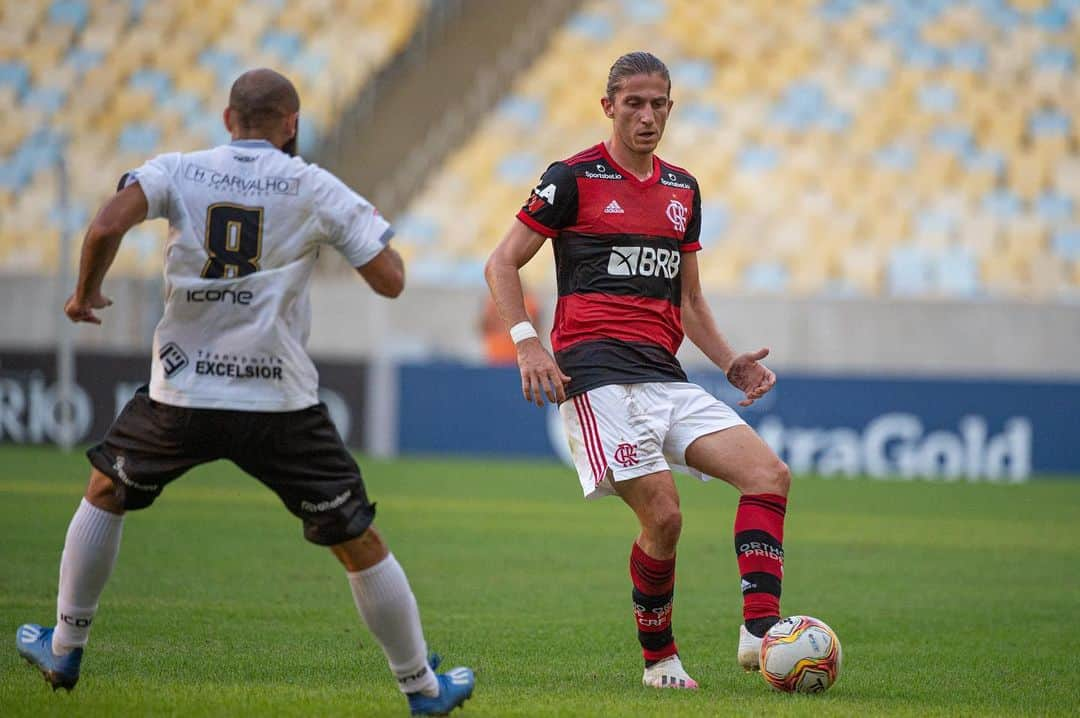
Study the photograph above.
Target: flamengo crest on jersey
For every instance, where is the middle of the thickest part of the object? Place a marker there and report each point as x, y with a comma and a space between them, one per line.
618, 244
245, 225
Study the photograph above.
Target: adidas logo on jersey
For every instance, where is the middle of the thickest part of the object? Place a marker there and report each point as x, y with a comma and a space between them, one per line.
613, 208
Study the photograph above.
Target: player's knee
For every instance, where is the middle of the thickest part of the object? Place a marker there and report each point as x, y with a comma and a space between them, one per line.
102, 493
667, 526
362, 552
775, 478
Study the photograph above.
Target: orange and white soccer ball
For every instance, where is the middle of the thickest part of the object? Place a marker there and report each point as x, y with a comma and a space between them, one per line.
800, 654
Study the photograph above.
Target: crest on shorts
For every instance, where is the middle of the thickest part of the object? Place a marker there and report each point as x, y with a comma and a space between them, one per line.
626, 454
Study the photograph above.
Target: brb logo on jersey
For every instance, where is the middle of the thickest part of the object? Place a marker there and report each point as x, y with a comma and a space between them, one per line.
644, 262
676, 212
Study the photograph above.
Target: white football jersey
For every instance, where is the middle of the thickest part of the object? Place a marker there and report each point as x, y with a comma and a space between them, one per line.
246, 222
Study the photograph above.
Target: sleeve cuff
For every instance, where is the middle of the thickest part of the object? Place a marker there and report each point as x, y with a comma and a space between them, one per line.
535, 226
691, 247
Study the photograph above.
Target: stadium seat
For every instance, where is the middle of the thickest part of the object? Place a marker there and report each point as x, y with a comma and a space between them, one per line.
151, 76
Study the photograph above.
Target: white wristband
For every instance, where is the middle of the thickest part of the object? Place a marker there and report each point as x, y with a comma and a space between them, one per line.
522, 331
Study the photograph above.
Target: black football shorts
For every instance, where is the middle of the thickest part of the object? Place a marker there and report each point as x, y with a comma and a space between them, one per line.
297, 454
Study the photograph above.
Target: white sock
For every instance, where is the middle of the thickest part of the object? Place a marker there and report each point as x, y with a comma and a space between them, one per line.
387, 605
90, 549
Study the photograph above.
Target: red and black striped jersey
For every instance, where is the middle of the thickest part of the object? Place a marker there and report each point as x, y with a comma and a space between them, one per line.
618, 244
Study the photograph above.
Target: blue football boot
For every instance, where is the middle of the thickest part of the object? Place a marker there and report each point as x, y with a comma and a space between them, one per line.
455, 687
35, 645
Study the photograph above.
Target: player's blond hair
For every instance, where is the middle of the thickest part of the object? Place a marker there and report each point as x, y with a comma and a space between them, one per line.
635, 63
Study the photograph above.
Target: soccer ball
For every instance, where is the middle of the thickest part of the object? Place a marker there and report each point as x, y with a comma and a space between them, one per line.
800, 654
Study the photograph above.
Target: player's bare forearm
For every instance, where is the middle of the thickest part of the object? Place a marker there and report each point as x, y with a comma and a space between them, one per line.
502, 272
123, 211
697, 318
98, 252
701, 329
385, 273
540, 376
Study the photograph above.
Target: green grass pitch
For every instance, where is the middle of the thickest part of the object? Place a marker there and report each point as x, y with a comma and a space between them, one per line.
949, 599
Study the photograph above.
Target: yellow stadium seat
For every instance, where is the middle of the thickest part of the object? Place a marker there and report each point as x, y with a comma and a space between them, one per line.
1027, 175
1003, 274
1025, 236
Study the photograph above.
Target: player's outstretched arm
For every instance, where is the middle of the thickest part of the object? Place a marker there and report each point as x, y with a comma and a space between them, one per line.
540, 375
743, 370
124, 210
385, 273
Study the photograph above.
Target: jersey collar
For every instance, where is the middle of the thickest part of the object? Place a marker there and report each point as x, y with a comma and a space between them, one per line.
253, 144
630, 176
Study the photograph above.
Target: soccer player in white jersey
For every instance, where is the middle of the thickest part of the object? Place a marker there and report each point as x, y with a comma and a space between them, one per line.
230, 378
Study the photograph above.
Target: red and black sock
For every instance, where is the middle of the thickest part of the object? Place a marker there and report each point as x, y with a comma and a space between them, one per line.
759, 547
654, 588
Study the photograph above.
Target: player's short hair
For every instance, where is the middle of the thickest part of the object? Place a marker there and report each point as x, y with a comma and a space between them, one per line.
258, 97
635, 63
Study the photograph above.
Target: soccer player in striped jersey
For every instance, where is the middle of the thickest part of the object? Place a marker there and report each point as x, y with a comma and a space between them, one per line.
624, 226
230, 377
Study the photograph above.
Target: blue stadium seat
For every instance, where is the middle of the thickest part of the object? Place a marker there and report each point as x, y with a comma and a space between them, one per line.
770, 277
518, 167
956, 272
645, 11
836, 10
311, 63
923, 56
1047, 123
73, 220
952, 138
1050, 18
692, 74
758, 158
975, 160
187, 104
1054, 208
84, 59
1054, 58
69, 12
593, 27
47, 99
139, 138
801, 106
155, 81
908, 272
413, 228
835, 120
286, 45
869, 77
523, 110
968, 56
137, 7
1002, 203
225, 65
1002, 15
15, 74
898, 156
715, 219
699, 113
1066, 243
935, 221
937, 99
13, 175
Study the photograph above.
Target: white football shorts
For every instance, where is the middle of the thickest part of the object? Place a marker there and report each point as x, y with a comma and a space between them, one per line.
623, 431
